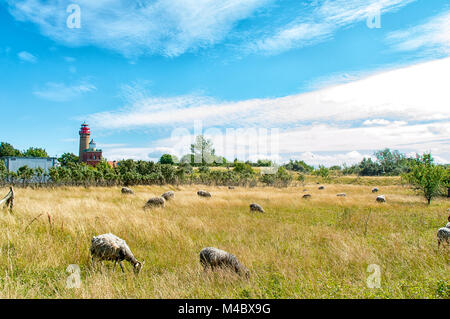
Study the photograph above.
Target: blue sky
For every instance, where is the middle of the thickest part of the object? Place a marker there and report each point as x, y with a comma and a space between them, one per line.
327, 88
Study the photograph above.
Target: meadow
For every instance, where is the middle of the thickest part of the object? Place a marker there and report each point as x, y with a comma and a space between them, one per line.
316, 248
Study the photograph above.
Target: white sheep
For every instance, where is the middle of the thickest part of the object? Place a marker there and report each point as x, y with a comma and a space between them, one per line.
381, 199
214, 257
168, 195
256, 208
112, 248
443, 234
155, 202
203, 193
127, 191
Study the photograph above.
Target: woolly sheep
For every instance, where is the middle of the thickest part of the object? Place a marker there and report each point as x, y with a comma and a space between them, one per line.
214, 257
306, 196
443, 234
341, 195
230, 187
256, 208
113, 248
375, 189
126, 190
155, 202
381, 199
203, 193
321, 187
168, 195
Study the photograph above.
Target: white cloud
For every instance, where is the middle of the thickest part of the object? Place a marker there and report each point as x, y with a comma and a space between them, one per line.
415, 93
167, 27
405, 109
27, 57
321, 23
383, 122
432, 36
60, 92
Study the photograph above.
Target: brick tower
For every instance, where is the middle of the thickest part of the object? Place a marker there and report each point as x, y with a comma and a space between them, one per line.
85, 134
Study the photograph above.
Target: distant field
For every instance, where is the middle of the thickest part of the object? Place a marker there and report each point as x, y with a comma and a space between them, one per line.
317, 248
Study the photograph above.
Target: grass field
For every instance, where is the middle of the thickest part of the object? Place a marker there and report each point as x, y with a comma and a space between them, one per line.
317, 248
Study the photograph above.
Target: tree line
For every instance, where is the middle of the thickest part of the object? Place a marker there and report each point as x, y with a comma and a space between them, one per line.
198, 167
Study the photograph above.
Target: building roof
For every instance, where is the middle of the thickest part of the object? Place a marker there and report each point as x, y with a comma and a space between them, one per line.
28, 157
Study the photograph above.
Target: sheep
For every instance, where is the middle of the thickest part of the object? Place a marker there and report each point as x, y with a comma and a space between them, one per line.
168, 195
321, 187
341, 195
203, 193
381, 199
375, 189
306, 196
155, 202
256, 208
126, 190
443, 234
110, 247
230, 187
214, 257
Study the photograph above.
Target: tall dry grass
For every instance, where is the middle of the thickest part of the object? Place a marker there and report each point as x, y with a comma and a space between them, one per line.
318, 248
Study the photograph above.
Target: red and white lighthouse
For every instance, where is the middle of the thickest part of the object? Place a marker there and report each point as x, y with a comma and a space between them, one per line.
85, 134
89, 153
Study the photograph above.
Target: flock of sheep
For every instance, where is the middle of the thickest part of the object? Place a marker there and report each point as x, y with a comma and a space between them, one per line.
112, 248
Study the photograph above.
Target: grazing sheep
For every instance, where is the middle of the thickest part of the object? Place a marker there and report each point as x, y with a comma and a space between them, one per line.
168, 195
306, 196
381, 199
256, 208
202, 193
375, 189
321, 187
126, 190
155, 202
443, 234
111, 247
214, 257
230, 187
341, 195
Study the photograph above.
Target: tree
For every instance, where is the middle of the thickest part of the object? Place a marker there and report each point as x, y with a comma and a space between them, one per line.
202, 151
168, 159
35, 152
7, 149
322, 172
67, 158
25, 173
391, 162
3, 171
425, 176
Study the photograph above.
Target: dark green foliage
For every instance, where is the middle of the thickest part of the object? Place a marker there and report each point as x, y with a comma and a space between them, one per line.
168, 159
35, 152
299, 166
7, 149
68, 158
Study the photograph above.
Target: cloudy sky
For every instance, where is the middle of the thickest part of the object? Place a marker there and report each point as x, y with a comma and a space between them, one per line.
325, 81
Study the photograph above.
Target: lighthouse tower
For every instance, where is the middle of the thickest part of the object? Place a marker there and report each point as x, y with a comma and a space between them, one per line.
85, 134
